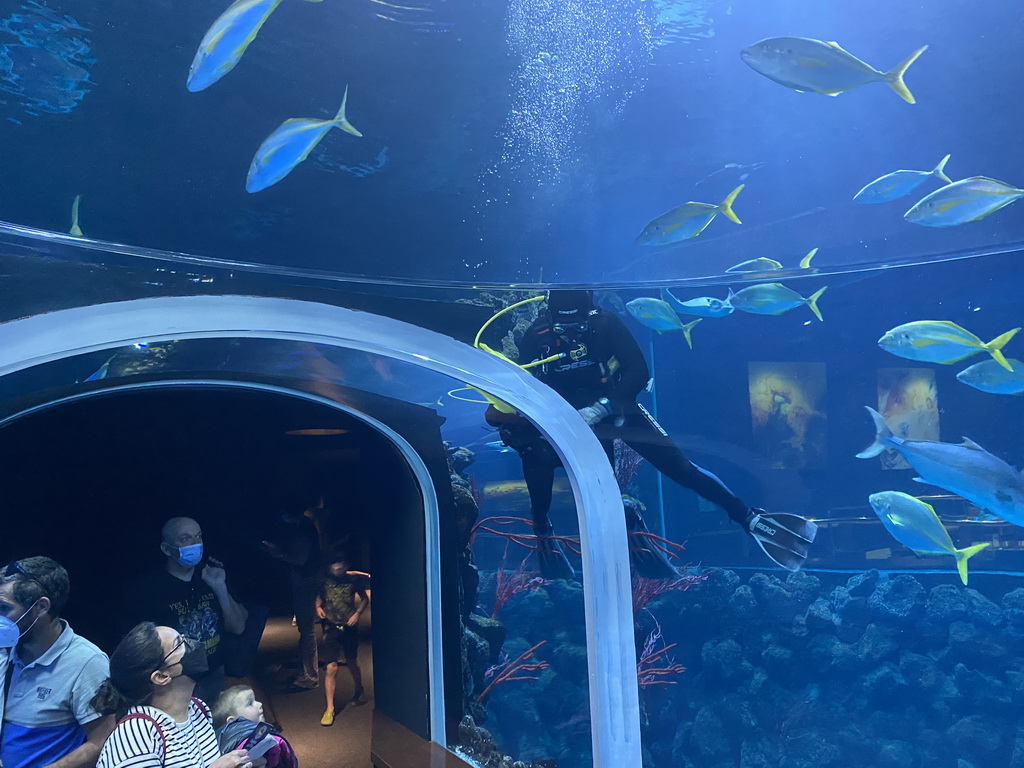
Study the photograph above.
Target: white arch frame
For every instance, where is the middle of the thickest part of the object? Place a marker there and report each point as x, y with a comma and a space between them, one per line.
611, 659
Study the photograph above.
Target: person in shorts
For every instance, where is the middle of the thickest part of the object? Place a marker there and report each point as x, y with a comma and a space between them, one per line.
342, 599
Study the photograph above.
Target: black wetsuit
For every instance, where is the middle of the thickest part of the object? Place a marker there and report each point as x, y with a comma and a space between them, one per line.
606, 362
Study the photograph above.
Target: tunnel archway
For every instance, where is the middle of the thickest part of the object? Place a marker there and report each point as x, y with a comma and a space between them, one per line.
611, 656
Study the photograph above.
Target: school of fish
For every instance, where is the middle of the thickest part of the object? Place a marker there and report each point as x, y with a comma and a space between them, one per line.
807, 66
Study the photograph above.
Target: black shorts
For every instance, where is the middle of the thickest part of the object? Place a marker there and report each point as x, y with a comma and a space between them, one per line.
340, 643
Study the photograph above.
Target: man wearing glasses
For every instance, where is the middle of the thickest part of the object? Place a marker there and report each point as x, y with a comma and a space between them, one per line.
49, 673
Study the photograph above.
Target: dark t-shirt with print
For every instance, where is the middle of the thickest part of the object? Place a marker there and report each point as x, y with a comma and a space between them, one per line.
338, 595
191, 607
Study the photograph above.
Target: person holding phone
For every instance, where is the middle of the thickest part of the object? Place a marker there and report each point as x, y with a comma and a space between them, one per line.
190, 594
161, 724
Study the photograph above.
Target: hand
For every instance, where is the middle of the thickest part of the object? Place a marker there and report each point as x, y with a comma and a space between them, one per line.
352, 620
238, 758
214, 575
593, 414
270, 548
320, 612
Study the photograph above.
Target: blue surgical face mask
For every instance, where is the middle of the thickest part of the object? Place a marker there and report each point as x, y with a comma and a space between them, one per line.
9, 632
190, 555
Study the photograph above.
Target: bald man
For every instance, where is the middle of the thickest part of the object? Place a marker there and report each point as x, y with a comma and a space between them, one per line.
190, 594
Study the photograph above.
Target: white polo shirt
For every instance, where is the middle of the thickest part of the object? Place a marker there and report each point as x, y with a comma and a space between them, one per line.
48, 700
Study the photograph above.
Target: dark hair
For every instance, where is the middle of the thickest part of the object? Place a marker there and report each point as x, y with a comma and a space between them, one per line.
39, 577
133, 661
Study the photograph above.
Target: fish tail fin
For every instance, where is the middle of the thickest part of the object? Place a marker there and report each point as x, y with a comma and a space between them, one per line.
894, 77
805, 262
962, 555
726, 206
882, 433
812, 302
994, 347
341, 121
75, 230
686, 331
940, 170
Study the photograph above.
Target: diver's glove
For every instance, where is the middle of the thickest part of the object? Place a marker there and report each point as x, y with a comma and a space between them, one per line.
785, 538
594, 414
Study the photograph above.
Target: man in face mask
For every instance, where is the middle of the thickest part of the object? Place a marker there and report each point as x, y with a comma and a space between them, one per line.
189, 594
49, 673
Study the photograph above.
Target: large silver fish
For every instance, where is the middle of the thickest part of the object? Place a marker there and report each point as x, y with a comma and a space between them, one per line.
963, 201
815, 66
967, 470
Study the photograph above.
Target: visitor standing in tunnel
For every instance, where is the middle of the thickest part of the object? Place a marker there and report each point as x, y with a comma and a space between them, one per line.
49, 673
343, 598
189, 592
596, 365
299, 547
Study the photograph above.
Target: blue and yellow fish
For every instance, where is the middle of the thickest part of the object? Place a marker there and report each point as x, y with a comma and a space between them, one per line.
899, 183
963, 201
659, 316
289, 145
773, 299
225, 42
822, 67
942, 341
686, 221
914, 524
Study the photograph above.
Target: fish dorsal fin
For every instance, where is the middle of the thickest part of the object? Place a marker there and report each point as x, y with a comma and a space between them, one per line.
968, 443
731, 294
833, 44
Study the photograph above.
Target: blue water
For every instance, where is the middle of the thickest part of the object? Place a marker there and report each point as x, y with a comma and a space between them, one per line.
519, 136
529, 142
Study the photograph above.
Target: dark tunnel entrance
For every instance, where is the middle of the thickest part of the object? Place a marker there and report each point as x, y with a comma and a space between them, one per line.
89, 483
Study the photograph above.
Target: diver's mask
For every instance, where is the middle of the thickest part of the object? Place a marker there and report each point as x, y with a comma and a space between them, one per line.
571, 332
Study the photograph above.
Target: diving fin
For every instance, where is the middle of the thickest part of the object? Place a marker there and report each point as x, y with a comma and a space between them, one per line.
553, 562
647, 560
785, 538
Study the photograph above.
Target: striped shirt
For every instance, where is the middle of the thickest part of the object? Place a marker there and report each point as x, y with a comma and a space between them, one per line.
137, 743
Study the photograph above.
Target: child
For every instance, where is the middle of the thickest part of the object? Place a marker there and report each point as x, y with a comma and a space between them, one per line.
235, 714
342, 599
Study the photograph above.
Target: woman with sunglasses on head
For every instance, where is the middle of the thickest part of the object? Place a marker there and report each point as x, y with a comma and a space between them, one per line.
161, 724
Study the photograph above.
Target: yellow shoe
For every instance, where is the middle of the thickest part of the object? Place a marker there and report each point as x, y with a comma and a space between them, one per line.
328, 718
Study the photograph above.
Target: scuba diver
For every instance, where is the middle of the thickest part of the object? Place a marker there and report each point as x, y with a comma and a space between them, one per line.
592, 360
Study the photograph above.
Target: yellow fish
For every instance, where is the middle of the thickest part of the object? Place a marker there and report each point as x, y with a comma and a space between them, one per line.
686, 221
225, 42
75, 229
941, 341
815, 66
290, 144
914, 524
963, 201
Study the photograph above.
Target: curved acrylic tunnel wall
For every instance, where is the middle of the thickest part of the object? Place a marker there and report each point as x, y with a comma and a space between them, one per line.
40, 342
